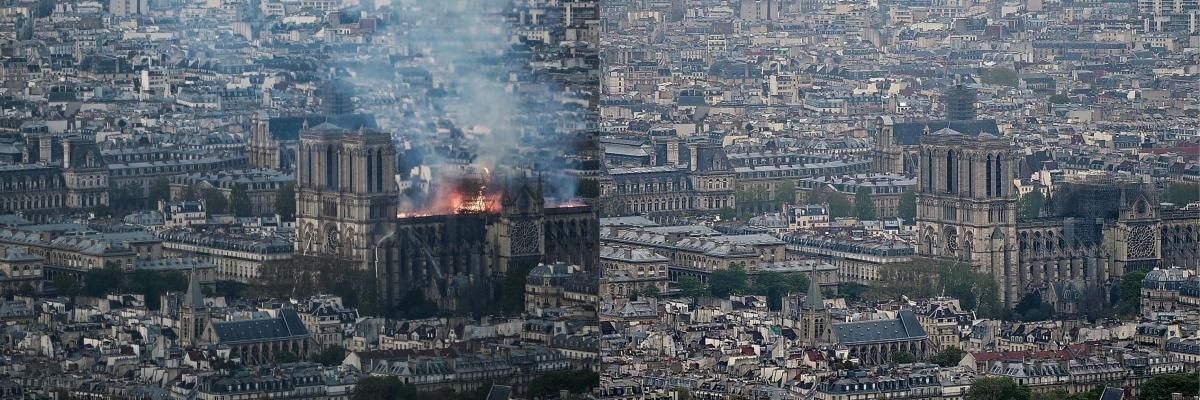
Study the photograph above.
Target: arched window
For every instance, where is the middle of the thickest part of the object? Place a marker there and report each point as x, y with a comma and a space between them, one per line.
988, 182
999, 177
950, 171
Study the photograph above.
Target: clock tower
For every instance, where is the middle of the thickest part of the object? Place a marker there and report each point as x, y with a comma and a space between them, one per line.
345, 191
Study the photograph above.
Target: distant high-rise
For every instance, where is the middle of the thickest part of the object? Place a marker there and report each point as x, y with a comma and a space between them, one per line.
122, 8
337, 97
960, 103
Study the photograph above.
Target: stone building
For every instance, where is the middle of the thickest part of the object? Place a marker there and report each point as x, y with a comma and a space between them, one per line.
1103, 227
1161, 292
878, 341
625, 270
885, 190
261, 185
260, 340
559, 285
897, 143
20, 270
966, 203
57, 172
685, 176
346, 208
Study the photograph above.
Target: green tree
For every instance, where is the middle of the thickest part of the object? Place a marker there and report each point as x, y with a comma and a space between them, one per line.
727, 214
152, 285
1129, 293
682, 394
997, 389
239, 201
1160, 387
692, 287
852, 291
160, 189
651, 291
189, 194
512, 297
98, 282
127, 197
903, 357
66, 285
838, 205
284, 357
1030, 205
383, 388
1001, 76
285, 201
1056, 394
908, 206
215, 202
785, 193
722, 283
949, 356
1060, 99
775, 285
548, 385
864, 208
1181, 193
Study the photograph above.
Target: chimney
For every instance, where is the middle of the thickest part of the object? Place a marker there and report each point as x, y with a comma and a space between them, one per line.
66, 154
46, 147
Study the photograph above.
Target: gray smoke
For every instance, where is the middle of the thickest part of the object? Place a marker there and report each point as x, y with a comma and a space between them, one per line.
448, 86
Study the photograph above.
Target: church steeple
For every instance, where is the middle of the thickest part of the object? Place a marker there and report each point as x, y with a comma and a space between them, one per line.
194, 299
193, 315
814, 301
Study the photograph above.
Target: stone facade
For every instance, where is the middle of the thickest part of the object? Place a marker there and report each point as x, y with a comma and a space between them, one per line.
966, 204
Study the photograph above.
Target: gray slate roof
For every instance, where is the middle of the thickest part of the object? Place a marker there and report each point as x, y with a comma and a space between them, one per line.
286, 326
903, 327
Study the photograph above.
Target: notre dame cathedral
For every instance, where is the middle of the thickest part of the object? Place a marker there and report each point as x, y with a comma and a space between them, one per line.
347, 208
967, 198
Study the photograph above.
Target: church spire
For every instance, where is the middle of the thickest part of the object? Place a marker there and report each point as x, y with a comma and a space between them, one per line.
814, 300
194, 300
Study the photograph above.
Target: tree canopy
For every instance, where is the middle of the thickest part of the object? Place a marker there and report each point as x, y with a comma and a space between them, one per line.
1001, 76
864, 208
1129, 293
239, 201
949, 356
1160, 387
1181, 193
692, 287
908, 206
724, 282
548, 385
215, 202
997, 388
775, 285
1030, 205
285, 202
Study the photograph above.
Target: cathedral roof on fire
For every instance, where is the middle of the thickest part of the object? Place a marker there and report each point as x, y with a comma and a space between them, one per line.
909, 133
288, 128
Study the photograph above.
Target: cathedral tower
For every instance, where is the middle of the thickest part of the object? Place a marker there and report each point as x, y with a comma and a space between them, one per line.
966, 204
345, 191
815, 328
193, 314
522, 220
